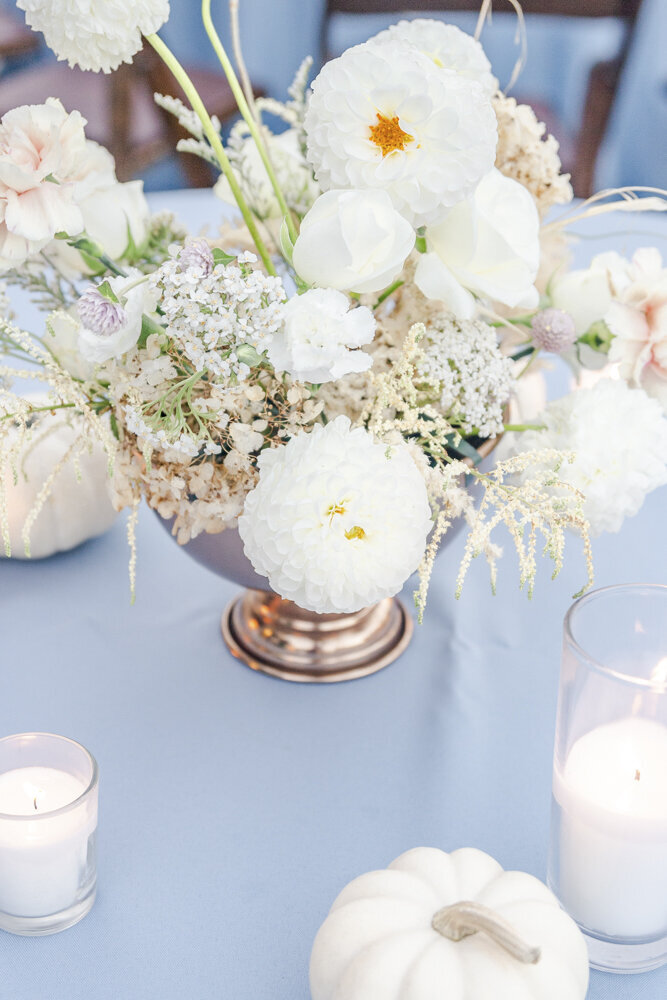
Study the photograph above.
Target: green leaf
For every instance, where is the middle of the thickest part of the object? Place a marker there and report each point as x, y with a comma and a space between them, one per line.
107, 291
248, 355
286, 245
464, 449
113, 423
220, 257
148, 326
51, 179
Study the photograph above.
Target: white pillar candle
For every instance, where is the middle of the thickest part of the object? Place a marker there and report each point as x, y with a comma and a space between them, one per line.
44, 848
612, 795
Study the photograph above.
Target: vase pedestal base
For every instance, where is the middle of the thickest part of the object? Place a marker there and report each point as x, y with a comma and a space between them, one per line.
276, 637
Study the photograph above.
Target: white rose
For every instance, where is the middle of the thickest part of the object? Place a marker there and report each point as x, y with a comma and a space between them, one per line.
110, 329
319, 328
353, 241
40, 146
586, 294
488, 246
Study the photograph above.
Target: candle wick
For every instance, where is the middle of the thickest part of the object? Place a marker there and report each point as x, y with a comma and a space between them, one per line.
34, 802
637, 775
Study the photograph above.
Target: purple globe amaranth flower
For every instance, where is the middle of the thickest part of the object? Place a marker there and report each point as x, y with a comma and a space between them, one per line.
197, 254
553, 330
99, 315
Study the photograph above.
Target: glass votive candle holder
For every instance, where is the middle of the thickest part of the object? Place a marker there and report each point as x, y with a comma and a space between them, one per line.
608, 856
48, 824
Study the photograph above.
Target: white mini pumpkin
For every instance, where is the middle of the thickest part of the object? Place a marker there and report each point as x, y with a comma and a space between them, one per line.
75, 510
436, 926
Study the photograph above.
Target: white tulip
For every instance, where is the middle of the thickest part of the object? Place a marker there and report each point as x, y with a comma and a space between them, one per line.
352, 241
487, 246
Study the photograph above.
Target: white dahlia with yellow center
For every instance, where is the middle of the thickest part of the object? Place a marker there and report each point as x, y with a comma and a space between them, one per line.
95, 34
337, 521
445, 45
385, 116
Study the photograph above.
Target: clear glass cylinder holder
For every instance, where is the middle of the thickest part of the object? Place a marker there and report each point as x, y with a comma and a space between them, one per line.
608, 850
48, 861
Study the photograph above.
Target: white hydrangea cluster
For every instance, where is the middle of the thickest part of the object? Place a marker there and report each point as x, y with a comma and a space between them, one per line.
338, 520
462, 361
619, 439
215, 317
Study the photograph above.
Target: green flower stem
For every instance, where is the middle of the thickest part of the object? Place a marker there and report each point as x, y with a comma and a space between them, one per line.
525, 427
42, 409
244, 108
387, 292
197, 104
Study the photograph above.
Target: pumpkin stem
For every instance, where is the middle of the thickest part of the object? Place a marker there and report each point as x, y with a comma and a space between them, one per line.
465, 918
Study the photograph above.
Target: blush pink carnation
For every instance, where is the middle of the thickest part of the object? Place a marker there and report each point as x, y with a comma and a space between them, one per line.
638, 321
40, 146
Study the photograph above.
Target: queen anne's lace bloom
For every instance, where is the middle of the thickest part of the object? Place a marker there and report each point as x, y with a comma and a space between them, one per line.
320, 328
619, 439
447, 46
462, 361
214, 317
337, 521
97, 35
385, 116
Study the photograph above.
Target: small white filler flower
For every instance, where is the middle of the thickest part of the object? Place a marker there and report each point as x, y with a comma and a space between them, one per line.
619, 439
319, 330
338, 521
98, 34
386, 117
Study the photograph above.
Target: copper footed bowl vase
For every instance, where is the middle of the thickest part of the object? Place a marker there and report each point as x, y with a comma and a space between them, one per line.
277, 637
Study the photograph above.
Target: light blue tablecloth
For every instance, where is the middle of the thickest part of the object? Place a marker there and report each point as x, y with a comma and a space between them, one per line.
234, 807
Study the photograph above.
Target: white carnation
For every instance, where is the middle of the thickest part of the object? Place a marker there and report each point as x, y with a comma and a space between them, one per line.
97, 34
385, 117
337, 521
319, 330
619, 438
447, 46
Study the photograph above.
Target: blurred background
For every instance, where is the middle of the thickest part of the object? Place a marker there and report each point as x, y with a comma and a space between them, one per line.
596, 72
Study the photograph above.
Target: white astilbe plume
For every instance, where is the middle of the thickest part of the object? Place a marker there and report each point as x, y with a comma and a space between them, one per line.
97, 35
539, 506
189, 120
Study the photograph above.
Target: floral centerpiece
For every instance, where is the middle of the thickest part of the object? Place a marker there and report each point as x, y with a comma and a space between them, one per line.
325, 375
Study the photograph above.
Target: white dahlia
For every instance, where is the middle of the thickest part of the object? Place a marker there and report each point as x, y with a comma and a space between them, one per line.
337, 521
95, 34
386, 117
447, 46
619, 439
319, 330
